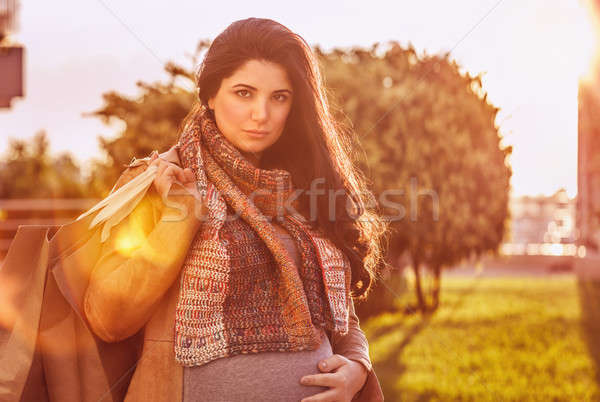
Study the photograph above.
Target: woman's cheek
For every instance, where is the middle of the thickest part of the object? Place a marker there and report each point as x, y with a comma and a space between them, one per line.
282, 117
233, 117
235, 110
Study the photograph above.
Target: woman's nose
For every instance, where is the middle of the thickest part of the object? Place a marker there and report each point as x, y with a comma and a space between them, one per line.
260, 111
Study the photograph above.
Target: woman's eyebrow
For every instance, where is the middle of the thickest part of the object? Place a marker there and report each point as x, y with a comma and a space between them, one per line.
251, 87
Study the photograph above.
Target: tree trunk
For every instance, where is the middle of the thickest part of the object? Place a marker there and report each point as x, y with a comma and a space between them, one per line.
437, 273
418, 287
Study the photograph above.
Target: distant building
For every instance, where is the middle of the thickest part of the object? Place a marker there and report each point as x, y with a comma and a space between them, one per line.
588, 150
588, 163
543, 219
588, 166
542, 225
11, 55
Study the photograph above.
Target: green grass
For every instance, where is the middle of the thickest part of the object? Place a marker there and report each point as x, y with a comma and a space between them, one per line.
494, 339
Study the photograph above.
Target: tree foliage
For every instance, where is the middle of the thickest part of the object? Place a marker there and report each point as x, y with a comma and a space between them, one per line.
28, 170
150, 121
432, 151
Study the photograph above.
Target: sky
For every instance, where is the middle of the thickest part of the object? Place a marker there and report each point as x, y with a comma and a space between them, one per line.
532, 54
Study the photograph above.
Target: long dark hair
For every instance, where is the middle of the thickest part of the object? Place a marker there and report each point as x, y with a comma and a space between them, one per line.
321, 147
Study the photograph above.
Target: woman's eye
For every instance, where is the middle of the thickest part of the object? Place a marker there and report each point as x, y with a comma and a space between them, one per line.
281, 97
243, 92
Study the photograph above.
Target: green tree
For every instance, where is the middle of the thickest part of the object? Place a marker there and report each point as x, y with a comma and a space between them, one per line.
432, 151
29, 171
150, 120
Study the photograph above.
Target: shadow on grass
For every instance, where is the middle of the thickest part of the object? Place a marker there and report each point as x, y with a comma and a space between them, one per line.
391, 369
589, 300
458, 300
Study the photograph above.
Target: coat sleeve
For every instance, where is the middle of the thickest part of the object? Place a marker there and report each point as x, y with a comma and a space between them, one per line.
354, 344
138, 263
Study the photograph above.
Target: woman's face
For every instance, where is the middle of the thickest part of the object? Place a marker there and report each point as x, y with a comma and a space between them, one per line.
257, 97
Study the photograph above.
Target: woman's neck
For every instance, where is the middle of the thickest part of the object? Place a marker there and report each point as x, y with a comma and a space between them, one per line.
253, 158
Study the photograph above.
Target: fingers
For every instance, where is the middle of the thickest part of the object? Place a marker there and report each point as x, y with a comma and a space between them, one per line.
174, 173
337, 383
154, 158
325, 380
162, 165
331, 363
325, 396
170, 175
171, 155
189, 175
182, 174
164, 177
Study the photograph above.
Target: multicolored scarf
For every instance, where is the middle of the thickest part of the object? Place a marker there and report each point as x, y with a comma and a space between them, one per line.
240, 289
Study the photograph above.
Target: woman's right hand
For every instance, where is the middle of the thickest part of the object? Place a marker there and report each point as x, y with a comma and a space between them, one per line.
177, 189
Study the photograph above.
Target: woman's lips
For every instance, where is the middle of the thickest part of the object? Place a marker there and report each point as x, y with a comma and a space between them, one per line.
256, 133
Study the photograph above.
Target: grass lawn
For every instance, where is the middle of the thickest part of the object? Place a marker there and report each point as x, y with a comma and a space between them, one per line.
498, 339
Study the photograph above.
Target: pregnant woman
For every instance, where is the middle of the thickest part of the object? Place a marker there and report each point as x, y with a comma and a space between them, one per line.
241, 261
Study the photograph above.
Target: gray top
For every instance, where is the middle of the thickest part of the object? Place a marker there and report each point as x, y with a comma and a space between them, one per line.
267, 376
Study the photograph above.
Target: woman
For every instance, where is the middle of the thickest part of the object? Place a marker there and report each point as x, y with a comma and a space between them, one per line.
237, 271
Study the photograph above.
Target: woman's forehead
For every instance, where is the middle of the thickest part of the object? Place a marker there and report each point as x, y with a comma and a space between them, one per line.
260, 75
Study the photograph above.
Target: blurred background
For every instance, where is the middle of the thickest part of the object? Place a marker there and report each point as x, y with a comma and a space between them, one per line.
484, 114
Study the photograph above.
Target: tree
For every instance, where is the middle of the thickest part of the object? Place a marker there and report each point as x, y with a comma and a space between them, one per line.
432, 152
29, 171
150, 120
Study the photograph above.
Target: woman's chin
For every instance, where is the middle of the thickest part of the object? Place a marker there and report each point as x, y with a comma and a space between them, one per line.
255, 147
251, 150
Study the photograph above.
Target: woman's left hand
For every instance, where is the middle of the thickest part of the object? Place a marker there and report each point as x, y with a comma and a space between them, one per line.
344, 378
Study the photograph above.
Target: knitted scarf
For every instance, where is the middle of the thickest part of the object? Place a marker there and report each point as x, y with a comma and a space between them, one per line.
240, 290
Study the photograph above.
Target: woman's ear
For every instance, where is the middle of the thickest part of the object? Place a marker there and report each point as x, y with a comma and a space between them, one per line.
211, 102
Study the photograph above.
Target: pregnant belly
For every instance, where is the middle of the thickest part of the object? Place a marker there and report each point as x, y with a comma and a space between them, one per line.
267, 376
